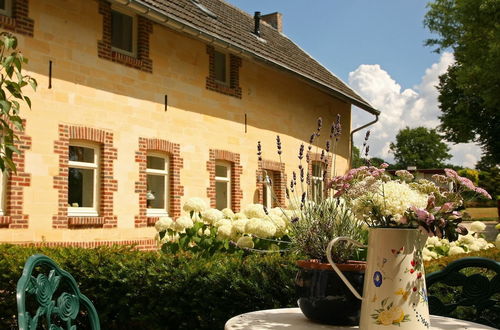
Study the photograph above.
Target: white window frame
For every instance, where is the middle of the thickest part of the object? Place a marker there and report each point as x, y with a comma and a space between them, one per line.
87, 211
153, 212
228, 67
3, 192
228, 166
315, 179
268, 196
7, 11
126, 12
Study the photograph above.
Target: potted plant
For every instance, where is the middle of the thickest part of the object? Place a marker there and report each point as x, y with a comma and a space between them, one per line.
315, 218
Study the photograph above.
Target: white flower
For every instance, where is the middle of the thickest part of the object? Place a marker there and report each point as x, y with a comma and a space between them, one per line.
195, 204
466, 239
260, 228
245, 242
477, 226
228, 213
254, 211
182, 223
239, 227
433, 240
211, 216
164, 223
223, 222
455, 250
475, 247
224, 232
279, 223
239, 216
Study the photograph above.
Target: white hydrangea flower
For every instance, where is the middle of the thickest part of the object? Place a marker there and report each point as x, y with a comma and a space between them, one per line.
474, 247
239, 227
466, 239
279, 223
260, 228
164, 223
182, 223
239, 216
477, 226
224, 232
211, 216
432, 240
428, 255
223, 222
254, 211
245, 242
228, 213
455, 250
195, 204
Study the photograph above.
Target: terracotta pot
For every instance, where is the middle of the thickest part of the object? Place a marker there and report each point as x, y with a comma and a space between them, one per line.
323, 297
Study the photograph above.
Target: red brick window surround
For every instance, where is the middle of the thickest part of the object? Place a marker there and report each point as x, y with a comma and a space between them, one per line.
12, 188
142, 29
275, 172
175, 190
231, 85
15, 17
236, 170
106, 184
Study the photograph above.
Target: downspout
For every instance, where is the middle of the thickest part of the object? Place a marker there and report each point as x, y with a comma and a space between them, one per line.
352, 134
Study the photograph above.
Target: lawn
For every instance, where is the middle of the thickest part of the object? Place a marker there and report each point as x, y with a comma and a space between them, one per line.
483, 213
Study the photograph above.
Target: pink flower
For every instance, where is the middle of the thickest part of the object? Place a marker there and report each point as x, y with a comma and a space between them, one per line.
466, 182
447, 207
482, 192
431, 202
384, 165
450, 173
421, 214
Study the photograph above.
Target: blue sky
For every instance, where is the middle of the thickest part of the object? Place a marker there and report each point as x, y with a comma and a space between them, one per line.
377, 47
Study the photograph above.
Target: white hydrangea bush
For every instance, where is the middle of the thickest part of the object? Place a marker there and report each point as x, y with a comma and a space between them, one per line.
206, 229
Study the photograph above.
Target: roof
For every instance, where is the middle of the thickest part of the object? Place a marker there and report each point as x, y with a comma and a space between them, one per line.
233, 27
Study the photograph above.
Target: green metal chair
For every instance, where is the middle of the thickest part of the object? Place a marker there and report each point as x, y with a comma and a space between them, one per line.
58, 312
467, 294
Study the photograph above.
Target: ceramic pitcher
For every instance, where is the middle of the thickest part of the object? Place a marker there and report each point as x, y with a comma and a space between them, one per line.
395, 295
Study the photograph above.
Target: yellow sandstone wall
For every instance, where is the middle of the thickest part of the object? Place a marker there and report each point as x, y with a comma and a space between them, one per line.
97, 93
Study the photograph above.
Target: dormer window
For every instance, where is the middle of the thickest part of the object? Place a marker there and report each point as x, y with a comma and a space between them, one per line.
221, 67
6, 7
123, 32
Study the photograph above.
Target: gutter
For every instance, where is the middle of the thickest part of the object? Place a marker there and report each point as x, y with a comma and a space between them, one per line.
173, 23
352, 134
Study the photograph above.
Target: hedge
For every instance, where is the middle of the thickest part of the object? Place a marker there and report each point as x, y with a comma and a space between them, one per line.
151, 290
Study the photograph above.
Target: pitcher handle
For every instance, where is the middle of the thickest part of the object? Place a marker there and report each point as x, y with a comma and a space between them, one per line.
336, 269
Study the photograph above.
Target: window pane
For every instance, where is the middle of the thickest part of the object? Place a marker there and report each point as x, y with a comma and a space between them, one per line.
2, 4
221, 171
317, 190
156, 163
81, 154
156, 189
221, 194
121, 31
317, 170
81, 187
220, 66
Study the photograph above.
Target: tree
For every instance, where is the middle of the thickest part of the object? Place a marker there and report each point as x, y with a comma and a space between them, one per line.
420, 147
469, 90
357, 161
12, 81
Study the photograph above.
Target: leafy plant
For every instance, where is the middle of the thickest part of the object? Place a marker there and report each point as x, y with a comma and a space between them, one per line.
12, 82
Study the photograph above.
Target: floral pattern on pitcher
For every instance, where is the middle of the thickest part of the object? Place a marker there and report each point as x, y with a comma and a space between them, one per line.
389, 314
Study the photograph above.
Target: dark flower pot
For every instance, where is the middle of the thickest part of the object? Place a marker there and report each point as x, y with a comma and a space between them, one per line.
324, 298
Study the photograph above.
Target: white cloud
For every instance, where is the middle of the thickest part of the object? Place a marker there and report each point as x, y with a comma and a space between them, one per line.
413, 107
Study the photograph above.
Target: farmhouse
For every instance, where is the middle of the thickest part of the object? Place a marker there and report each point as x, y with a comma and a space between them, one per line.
143, 104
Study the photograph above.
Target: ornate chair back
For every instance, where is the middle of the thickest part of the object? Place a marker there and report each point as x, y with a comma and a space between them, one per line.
55, 308
472, 295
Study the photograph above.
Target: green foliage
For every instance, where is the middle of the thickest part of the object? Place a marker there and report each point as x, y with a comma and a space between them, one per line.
469, 89
490, 180
149, 290
439, 264
420, 147
12, 82
357, 161
470, 174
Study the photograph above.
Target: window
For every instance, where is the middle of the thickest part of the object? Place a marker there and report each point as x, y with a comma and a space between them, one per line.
220, 67
222, 185
123, 32
3, 186
268, 191
83, 179
6, 7
157, 184
317, 181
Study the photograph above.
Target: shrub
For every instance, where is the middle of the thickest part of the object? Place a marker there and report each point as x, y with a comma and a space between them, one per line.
149, 290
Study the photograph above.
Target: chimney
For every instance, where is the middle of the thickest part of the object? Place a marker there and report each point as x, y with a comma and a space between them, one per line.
275, 20
256, 19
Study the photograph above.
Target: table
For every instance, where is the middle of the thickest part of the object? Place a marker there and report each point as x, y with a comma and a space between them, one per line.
293, 319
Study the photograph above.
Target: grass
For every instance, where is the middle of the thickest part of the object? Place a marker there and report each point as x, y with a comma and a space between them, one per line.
483, 213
